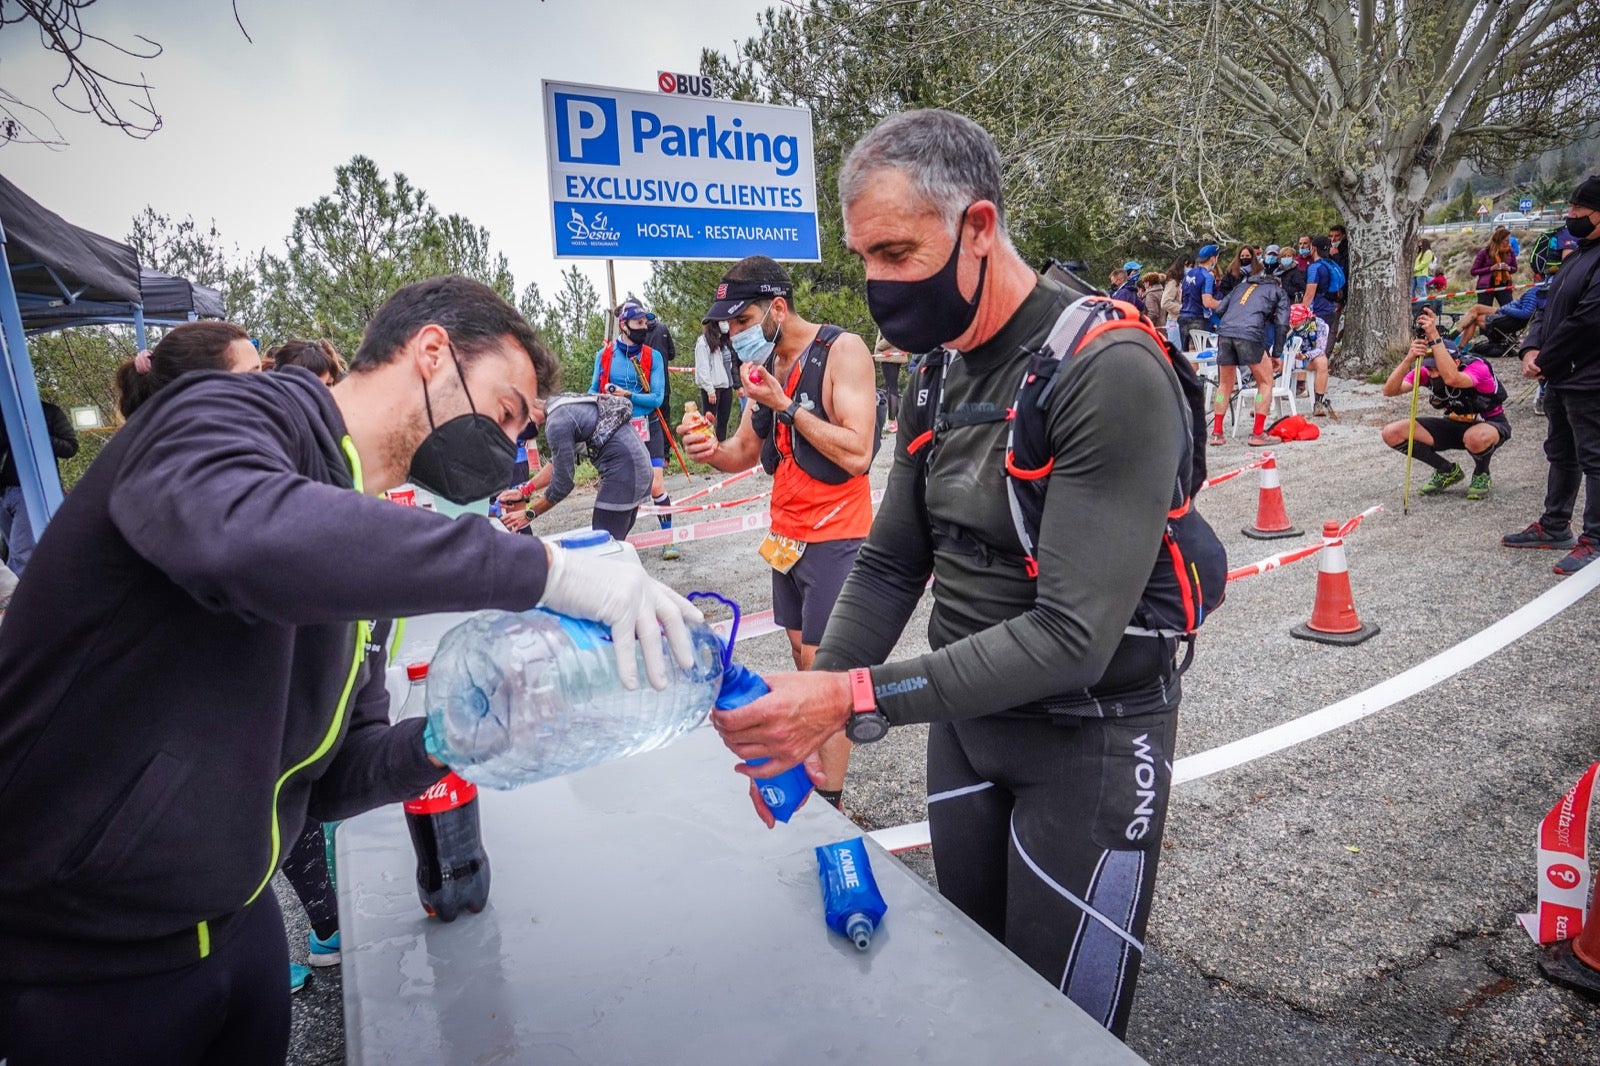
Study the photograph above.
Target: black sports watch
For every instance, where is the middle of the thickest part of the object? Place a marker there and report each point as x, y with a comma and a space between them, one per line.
786, 416
866, 723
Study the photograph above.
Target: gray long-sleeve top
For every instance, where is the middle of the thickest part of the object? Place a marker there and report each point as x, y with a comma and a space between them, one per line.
1002, 641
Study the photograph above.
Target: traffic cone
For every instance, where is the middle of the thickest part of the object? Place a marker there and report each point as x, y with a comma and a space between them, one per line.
1575, 963
1272, 521
1333, 614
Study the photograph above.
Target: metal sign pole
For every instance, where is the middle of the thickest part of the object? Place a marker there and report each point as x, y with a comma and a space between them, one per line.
612, 325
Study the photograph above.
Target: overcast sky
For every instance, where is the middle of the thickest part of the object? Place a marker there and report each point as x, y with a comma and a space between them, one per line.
446, 93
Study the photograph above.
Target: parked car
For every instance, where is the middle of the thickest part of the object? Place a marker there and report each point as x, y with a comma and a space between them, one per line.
1512, 218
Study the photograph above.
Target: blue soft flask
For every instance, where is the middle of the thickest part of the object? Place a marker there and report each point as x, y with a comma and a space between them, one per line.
851, 902
783, 794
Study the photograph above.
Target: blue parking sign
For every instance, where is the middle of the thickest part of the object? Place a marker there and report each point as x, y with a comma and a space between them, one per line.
636, 175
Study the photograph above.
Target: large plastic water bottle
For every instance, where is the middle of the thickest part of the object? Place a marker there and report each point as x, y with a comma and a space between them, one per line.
516, 698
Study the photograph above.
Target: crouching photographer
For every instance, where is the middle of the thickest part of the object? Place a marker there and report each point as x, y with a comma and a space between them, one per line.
1472, 400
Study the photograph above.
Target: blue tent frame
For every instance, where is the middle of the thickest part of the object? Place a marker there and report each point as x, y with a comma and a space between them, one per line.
20, 406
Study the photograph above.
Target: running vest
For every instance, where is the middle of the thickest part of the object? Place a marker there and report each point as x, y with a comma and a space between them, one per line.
1189, 579
1468, 401
646, 355
611, 414
813, 498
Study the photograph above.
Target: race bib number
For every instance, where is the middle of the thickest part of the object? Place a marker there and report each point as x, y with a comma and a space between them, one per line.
642, 428
781, 553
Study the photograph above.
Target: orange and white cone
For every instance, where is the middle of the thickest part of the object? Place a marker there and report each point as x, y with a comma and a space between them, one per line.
1333, 614
1575, 963
1272, 521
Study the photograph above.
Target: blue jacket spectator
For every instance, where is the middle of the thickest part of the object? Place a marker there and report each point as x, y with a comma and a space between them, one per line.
627, 361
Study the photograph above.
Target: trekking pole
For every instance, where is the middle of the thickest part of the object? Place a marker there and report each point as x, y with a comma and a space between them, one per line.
684, 466
1411, 437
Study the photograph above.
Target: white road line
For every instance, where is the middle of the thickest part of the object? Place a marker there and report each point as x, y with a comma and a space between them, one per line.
1424, 675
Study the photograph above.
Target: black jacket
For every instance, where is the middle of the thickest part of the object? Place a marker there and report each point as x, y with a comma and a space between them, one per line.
63, 442
1567, 331
1247, 310
181, 679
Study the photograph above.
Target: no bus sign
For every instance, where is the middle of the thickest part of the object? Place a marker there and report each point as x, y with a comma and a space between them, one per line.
683, 84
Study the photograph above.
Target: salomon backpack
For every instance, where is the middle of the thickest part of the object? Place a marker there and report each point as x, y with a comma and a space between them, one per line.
1189, 578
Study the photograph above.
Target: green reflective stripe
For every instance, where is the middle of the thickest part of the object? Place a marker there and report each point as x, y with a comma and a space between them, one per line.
396, 635
205, 939
363, 634
348, 446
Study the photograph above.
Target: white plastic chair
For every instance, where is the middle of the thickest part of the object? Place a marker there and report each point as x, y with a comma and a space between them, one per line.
1205, 368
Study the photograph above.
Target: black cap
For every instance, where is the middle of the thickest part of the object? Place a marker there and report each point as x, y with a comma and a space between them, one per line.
735, 296
1587, 194
1323, 245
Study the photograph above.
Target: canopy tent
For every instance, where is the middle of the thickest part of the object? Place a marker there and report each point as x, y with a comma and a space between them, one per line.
166, 301
50, 262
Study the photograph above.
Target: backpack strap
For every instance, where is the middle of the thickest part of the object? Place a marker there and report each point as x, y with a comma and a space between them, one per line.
605, 365
1029, 456
925, 411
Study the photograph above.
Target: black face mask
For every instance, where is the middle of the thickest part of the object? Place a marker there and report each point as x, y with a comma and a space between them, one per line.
636, 336
1581, 226
465, 459
919, 316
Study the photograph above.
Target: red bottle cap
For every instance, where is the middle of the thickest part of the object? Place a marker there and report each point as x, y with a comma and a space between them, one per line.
416, 671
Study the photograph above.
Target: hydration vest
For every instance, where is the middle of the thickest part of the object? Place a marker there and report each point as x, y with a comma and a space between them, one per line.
1467, 401
646, 355
611, 414
1189, 578
779, 442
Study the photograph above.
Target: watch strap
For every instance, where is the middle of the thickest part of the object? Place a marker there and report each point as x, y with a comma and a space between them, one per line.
862, 699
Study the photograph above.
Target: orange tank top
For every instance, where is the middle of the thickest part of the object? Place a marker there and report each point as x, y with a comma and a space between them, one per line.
809, 510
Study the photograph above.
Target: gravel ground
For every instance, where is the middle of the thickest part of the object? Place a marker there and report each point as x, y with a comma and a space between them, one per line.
1350, 899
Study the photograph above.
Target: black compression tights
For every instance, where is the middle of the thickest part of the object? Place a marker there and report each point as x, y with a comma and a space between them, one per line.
307, 871
1047, 835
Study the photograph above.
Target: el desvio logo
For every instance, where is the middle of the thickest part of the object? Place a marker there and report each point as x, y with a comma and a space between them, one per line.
587, 132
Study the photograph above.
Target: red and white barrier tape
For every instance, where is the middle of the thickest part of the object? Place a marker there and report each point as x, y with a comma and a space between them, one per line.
718, 486
677, 508
1563, 866
721, 527
1474, 292
751, 626
1305, 551
1230, 475
1355, 523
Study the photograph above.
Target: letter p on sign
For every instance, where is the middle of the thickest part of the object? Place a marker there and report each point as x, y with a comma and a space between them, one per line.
586, 130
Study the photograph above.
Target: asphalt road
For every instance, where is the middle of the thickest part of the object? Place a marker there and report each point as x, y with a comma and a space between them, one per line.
1351, 899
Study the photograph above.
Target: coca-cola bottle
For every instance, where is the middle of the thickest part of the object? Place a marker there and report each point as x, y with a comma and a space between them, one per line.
452, 867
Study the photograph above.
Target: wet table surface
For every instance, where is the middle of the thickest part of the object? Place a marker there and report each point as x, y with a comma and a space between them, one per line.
639, 912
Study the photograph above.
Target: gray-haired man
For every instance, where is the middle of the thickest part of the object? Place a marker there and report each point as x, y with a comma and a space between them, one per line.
1051, 728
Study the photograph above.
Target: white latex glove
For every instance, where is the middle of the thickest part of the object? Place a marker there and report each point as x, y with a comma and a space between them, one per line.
633, 604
